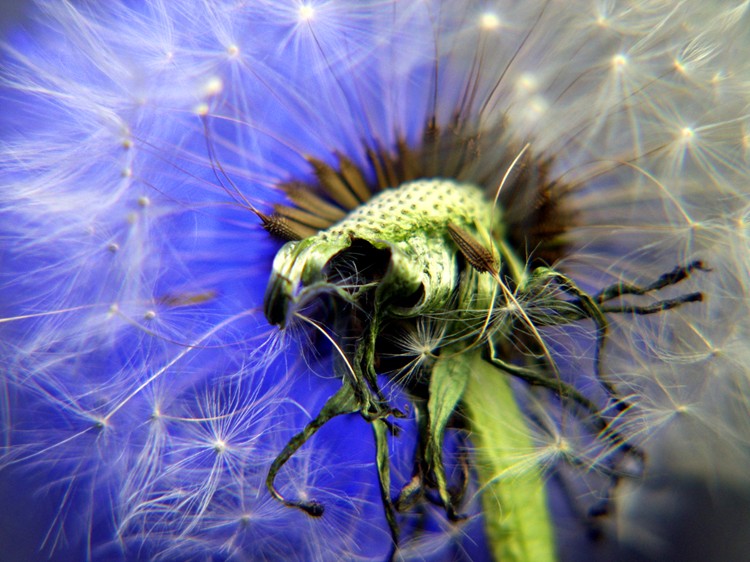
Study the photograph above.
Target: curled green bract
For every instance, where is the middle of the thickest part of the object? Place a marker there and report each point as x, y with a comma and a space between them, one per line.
430, 258
410, 224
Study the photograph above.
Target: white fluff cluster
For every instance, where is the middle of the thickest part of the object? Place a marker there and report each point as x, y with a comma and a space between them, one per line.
140, 384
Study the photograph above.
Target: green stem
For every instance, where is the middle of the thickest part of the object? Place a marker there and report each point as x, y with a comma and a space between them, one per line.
516, 515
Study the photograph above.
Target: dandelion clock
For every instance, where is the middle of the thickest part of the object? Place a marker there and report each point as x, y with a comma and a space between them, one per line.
380, 280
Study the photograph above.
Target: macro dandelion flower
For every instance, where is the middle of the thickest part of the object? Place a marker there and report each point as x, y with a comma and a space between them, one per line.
322, 280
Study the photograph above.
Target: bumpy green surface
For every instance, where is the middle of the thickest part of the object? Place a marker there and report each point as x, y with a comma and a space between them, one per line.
411, 222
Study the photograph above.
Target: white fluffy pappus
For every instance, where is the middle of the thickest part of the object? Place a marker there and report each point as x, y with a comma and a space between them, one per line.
143, 393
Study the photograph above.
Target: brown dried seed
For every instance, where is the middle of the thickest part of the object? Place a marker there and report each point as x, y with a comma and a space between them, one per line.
477, 255
304, 197
302, 217
333, 185
350, 172
286, 229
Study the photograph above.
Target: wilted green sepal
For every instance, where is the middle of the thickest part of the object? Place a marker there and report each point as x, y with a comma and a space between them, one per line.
343, 402
382, 459
447, 384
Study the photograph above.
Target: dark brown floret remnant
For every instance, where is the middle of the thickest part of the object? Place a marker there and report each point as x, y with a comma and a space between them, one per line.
536, 209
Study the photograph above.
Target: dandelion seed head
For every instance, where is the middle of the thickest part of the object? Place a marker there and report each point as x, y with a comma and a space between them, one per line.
133, 271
